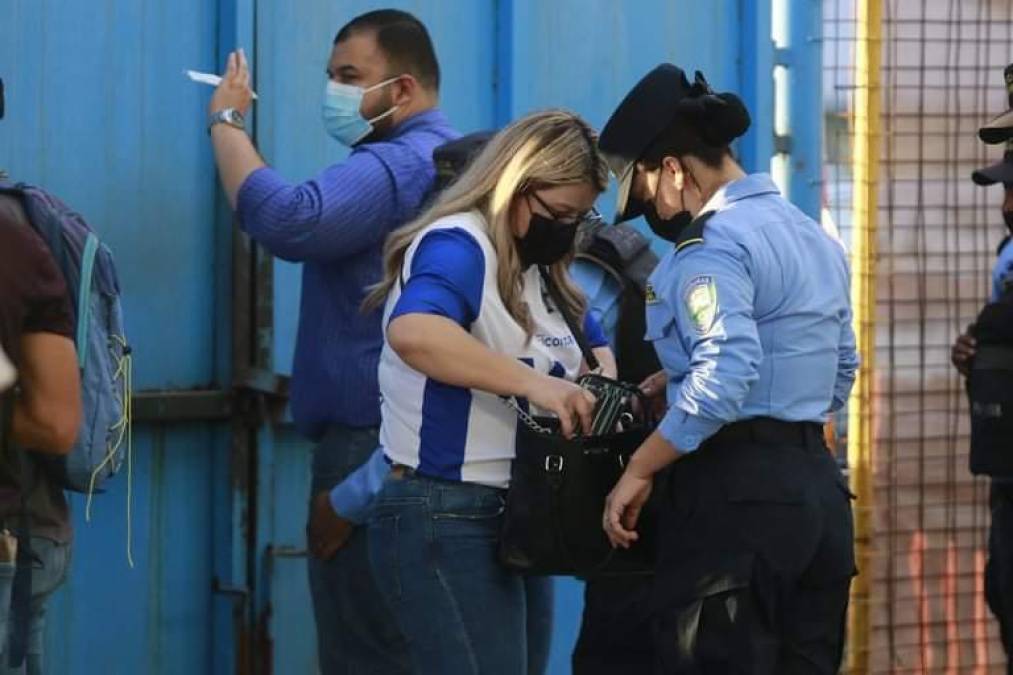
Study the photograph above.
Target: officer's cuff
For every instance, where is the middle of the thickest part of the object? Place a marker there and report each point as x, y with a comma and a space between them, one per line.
686, 432
349, 502
353, 497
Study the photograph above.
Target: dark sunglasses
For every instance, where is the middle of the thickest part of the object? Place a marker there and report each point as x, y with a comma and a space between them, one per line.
579, 219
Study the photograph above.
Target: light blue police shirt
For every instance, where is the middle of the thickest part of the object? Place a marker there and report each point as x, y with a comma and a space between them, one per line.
603, 293
1002, 272
751, 316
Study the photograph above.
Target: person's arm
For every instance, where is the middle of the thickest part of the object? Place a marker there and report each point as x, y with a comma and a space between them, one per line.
331, 216
334, 514
599, 345
353, 496
427, 329
963, 351
236, 158
444, 351
847, 364
606, 361
234, 152
47, 410
344, 210
714, 316
47, 413
624, 503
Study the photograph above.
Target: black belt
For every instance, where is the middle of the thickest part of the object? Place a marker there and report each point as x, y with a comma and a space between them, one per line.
767, 430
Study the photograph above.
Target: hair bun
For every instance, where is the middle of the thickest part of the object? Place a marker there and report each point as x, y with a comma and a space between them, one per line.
720, 118
725, 118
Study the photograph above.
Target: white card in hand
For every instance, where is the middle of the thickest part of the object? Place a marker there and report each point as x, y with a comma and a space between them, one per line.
206, 78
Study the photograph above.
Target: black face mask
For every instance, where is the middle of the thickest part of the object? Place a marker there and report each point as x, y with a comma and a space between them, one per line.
1008, 217
546, 242
669, 229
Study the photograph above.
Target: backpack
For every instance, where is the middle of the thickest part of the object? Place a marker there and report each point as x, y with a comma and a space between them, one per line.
102, 350
453, 157
623, 252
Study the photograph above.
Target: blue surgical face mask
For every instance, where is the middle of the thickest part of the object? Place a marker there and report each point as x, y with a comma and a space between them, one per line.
342, 115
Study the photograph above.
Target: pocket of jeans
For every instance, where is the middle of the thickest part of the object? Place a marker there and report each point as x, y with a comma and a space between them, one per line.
481, 521
52, 567
479, 514
461, 505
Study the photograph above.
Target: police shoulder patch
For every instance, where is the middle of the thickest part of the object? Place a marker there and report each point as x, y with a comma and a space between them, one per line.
650, 297
701, 300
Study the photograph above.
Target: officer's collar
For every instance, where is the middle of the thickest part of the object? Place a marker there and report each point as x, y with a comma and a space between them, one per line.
748, 186
692, 234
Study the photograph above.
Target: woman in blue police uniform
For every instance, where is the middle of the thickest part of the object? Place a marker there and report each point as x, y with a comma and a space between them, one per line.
468, 325
750, 315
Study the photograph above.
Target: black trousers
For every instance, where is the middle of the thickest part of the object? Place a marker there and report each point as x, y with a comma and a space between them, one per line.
755, 555
999, 569
616, 630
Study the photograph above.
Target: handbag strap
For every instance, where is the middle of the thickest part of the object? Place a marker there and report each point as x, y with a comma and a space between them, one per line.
571, 321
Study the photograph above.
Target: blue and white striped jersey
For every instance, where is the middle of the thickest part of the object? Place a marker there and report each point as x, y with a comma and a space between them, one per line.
451, 432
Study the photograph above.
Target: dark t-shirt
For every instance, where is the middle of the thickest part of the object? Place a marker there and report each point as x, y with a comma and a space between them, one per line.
33, 299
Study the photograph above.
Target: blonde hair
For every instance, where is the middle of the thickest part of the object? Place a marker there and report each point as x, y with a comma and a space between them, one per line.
542, 149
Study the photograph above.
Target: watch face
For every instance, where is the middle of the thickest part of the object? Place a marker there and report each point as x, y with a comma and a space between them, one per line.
229, 116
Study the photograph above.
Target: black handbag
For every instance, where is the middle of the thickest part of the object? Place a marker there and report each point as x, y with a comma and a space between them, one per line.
552, 523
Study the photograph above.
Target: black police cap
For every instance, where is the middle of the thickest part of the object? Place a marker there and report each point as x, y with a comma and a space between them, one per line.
643, 115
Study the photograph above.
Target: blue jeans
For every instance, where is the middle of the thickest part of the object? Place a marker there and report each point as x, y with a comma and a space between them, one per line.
433, 549
48, 574
356, 632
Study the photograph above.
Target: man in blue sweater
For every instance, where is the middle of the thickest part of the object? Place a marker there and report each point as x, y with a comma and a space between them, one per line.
380, 99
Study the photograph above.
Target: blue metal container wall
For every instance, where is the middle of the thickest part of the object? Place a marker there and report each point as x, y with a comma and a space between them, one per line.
99, 113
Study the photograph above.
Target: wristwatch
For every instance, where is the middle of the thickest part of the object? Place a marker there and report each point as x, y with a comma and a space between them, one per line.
229, 116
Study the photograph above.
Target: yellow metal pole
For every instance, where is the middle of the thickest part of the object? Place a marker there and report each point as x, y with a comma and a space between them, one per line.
865, 165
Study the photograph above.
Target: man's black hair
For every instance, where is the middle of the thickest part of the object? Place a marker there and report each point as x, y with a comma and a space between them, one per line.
403, 39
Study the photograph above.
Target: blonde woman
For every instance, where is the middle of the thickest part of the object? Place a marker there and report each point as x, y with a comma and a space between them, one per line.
468, 326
